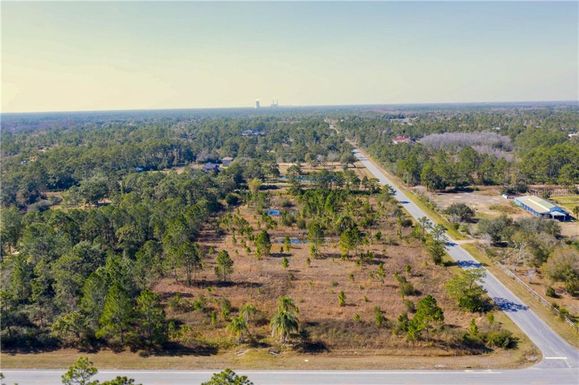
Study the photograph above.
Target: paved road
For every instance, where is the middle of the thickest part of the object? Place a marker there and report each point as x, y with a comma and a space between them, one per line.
559, 366
532, 376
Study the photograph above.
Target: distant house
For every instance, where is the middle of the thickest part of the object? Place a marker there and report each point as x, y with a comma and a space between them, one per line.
401, 139
139, 169
255, 132
226, 162
542, 208
211, 167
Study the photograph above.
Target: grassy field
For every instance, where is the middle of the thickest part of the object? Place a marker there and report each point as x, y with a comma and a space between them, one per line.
329, 325
255, 358
567, 201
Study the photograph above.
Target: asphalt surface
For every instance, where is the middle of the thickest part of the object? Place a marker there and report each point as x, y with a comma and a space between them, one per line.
531, 376
560, 364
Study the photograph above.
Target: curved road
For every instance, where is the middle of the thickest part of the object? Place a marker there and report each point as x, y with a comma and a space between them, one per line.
559, 366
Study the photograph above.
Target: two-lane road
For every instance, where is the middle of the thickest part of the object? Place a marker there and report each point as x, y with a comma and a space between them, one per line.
559, 366
531, 376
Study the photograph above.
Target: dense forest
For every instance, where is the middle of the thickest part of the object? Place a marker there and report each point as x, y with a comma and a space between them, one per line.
78, 265
96, 154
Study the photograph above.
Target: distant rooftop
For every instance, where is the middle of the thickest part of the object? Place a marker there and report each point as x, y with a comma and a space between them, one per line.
539, 205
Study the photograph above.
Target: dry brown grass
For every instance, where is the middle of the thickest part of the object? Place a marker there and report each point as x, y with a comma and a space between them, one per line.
252, 358
307, 168
315, 288
337, 340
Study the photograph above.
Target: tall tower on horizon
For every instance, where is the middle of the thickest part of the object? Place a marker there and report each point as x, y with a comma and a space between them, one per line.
257, 103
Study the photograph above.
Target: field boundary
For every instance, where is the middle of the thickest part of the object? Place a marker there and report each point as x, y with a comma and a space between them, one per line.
538, 297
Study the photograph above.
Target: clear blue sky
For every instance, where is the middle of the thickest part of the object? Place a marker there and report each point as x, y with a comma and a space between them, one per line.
90, 56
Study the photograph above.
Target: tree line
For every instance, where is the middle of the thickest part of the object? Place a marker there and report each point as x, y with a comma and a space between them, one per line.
542, 150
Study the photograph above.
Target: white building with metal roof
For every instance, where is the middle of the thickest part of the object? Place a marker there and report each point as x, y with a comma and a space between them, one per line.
540, 207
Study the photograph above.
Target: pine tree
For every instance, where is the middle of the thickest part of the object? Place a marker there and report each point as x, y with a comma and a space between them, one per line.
224, 265
20, 279
473, 328
287, 244
378, 317
151, 322
80, 373
227, 377
427, 313
115, 320
262, 244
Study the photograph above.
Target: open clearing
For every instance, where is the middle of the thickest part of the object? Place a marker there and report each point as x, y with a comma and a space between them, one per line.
486, 201
338, 337
567, 201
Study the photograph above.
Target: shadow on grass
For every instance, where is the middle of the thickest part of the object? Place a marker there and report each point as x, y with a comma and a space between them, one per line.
216, 283
174, 349
279, 255
307, 345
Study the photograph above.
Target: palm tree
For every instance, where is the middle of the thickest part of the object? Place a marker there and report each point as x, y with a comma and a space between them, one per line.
248, 311
238, 327
286, 304
283, 324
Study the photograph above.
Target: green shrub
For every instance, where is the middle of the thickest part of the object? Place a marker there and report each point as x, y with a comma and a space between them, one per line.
500, 338
410, 306
342, 298
406, 287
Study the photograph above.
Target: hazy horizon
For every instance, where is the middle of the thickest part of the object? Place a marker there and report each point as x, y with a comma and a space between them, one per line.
65, 57
310, 106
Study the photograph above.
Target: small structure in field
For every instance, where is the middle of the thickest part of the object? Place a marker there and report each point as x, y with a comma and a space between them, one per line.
542, 208
401, 139
211, 167
226, 162
273, 212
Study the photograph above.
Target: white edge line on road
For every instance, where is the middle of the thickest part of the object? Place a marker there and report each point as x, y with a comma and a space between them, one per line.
314, 372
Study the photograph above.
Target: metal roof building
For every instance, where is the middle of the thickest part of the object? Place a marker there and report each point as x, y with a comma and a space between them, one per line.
540, 207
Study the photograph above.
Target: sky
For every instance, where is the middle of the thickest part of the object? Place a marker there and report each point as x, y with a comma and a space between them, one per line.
69, 56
